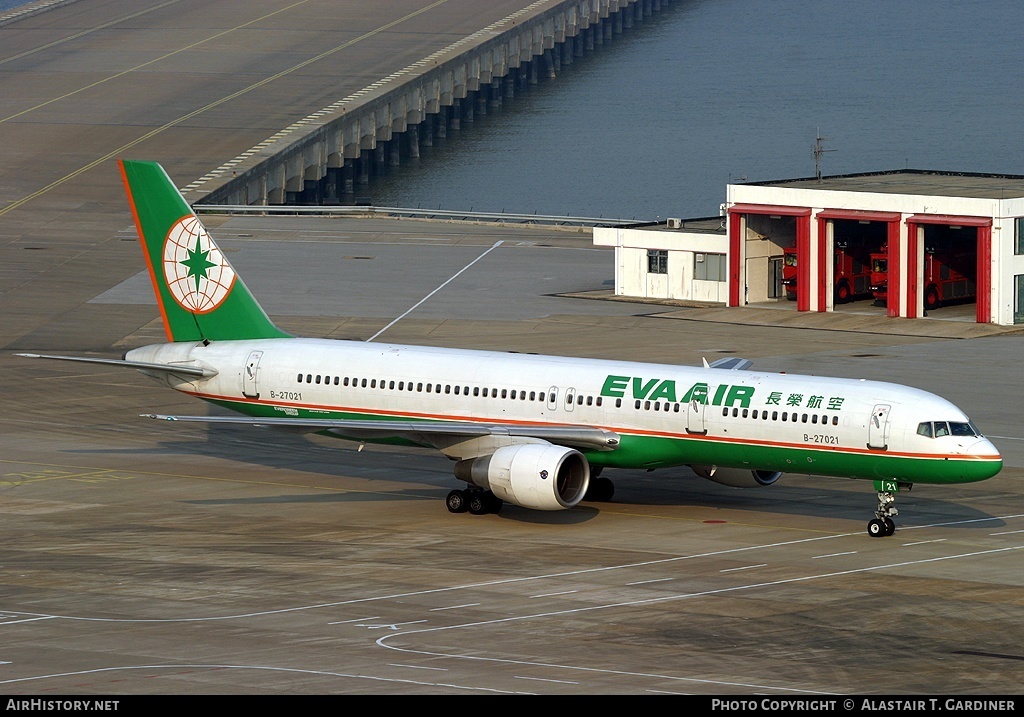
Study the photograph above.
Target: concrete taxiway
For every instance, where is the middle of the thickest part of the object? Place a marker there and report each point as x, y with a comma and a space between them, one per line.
142, 557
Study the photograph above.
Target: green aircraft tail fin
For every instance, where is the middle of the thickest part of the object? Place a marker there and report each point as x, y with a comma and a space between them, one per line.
199, 294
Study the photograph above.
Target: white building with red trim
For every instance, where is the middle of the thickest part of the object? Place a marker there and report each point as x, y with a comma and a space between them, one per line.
938, 237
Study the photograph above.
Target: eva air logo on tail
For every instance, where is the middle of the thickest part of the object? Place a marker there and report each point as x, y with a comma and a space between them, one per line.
196, 271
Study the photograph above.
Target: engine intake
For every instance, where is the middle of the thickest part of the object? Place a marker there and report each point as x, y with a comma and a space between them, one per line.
535, 475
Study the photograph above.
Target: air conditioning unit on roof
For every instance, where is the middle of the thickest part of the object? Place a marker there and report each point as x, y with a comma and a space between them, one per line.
674, 223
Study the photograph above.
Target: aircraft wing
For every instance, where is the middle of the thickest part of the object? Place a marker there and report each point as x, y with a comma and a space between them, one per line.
582, 437
733, 363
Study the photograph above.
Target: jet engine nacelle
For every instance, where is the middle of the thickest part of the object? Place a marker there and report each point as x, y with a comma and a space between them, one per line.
533, 475
737, 477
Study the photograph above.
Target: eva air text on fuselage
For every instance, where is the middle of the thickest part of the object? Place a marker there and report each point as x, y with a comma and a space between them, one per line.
656, 389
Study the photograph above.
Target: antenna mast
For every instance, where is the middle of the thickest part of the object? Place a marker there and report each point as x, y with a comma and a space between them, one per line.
818, 151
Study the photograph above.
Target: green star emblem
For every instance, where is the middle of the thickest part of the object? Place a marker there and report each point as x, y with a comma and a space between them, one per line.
197, 263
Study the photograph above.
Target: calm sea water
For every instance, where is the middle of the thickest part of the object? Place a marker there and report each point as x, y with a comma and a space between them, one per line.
708, 92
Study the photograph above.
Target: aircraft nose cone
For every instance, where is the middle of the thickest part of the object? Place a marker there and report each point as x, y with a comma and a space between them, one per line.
984, 448
988, 460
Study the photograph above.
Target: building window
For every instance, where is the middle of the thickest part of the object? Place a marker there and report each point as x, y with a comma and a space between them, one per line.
1018, 235
1018, 299
657, 261
709, 267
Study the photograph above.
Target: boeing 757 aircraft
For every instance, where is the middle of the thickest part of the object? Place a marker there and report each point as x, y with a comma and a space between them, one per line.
535, 431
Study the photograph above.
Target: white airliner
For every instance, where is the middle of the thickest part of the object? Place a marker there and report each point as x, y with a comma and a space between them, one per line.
535, 431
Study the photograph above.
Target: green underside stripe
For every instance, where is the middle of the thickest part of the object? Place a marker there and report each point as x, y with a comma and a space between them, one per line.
640, 451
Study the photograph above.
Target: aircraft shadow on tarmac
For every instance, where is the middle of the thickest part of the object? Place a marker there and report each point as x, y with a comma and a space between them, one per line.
830, 498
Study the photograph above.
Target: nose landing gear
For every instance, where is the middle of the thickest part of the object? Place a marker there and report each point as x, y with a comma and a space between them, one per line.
882, 525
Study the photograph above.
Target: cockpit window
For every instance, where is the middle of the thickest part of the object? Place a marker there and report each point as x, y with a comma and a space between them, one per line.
961, 429
937, 429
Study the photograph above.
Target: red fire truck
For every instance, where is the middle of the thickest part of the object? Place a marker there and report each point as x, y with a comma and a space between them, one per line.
948, 272
851, 274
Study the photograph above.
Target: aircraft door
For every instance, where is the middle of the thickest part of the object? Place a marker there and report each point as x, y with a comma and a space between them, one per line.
695, 412
250, 375
553, 398
878, 427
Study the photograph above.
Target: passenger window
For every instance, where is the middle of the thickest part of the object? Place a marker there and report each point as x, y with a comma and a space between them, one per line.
363, 384
814, 418
299, 379
647, 405
318, 378
744, 413
618, 403
590, 400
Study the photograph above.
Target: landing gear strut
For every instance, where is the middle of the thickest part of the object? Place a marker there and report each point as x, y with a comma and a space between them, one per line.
882, 525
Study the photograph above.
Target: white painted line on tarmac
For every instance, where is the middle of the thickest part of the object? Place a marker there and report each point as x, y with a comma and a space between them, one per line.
424, 299
745, 567
544, 595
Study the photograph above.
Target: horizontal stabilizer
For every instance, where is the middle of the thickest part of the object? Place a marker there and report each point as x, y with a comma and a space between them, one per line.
574, 436
140, 365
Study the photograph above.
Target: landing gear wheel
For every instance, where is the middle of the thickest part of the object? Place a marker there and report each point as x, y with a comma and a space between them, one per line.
890, 526
484, 502
495, 503
600, 490
877, 528
477, 504
457, 501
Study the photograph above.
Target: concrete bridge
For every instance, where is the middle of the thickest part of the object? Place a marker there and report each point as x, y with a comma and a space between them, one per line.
326, 157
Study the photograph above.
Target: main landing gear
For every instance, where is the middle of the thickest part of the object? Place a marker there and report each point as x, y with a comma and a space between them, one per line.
882, 525
476, 502
600, 489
